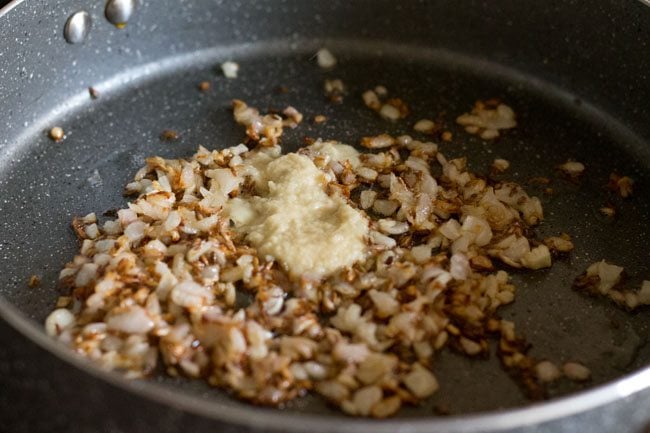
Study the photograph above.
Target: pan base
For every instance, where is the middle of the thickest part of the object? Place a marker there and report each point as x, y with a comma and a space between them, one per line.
45, 184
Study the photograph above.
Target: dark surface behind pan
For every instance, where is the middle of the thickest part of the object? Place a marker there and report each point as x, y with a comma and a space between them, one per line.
573, 72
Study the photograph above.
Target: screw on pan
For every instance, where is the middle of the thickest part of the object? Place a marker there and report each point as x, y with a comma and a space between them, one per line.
77, 27
118, 12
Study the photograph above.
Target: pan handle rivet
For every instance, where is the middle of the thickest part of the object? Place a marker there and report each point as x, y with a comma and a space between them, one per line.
77, 27
118, 12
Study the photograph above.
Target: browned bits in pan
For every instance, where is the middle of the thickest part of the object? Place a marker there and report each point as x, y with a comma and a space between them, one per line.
576, 371
425, 126
378, 142
34, 281
559, 244
391, 109
622, 185
442, 409
547, 371
204, 86
335, 90
94, 93
63, 301
56, 133
499, 165
169, 135
609, 210
400, 105
608, 280
79, 227
572, 170
487, 119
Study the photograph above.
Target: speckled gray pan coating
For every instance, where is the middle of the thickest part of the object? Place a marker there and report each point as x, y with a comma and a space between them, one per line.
575, 72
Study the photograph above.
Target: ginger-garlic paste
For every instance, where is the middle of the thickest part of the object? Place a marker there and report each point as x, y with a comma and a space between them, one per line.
294, 220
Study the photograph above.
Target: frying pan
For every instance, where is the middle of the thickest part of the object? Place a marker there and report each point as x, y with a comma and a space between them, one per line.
575, 72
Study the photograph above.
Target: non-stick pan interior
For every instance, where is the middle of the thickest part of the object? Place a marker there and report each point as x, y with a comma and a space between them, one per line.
44, 184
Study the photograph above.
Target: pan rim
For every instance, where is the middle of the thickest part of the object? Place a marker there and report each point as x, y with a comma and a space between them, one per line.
541, 413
